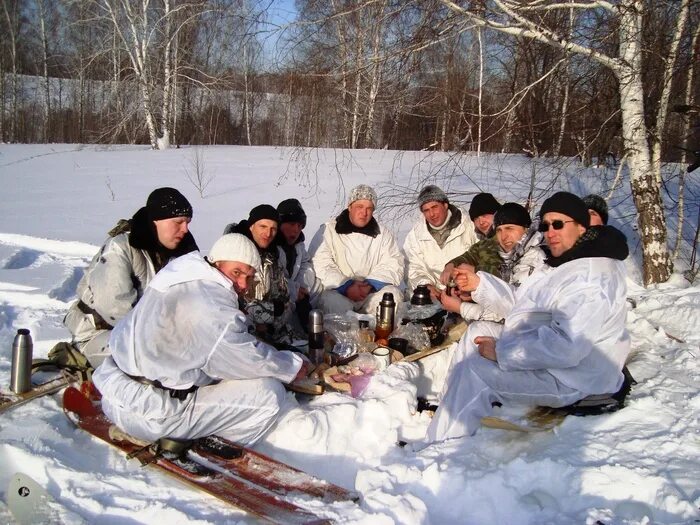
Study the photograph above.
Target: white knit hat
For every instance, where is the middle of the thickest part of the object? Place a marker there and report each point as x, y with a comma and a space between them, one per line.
235, 247
363, 192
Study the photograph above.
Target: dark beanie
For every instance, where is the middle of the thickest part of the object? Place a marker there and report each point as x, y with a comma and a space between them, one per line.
568, 204
483, 203
431, 194
597, 204
512, 213
166, 203
290, 210
263, 211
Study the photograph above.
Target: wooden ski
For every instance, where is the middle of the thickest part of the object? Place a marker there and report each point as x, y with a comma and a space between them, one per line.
242, 482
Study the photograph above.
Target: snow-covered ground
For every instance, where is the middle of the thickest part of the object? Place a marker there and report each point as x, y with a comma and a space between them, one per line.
639, 465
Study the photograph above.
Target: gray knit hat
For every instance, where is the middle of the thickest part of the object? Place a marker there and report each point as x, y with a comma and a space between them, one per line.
431, 194
363, 192
597, 204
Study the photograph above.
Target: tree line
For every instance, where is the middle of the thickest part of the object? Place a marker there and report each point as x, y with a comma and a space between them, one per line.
603, 80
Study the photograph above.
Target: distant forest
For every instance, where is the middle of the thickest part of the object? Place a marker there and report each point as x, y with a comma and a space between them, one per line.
373, 74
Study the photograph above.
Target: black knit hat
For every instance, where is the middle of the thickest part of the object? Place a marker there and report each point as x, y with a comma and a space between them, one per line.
166, 203
290, 210
263, 211
431, 194
482, 204
512, 213
597, 204
568, 204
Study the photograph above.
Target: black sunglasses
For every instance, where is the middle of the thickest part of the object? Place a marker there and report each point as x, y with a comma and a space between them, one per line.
557, 225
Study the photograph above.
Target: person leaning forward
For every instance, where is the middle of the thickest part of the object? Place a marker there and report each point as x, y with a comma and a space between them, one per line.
183, 364
440, 234
356, 258
118, 274
512, 254
564, 337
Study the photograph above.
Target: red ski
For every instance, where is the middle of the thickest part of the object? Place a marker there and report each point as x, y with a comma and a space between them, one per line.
239, 476
266, 472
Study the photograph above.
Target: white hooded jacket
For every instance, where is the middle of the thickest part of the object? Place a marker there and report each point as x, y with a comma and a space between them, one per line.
569, 320
111, 286
341, 257
426, 259
186, 330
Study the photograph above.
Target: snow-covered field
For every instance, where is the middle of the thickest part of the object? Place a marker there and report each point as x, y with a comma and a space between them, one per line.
639, 465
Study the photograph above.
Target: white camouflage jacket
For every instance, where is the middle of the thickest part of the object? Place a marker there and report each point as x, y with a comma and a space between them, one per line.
426, 259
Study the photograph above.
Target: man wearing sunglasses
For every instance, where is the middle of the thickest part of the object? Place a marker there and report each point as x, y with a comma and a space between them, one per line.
564, 337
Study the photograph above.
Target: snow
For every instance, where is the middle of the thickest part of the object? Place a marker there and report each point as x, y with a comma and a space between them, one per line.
638, 465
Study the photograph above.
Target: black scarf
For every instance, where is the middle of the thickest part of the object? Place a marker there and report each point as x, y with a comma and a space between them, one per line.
343, 226
143, 236
289, 249
597, 241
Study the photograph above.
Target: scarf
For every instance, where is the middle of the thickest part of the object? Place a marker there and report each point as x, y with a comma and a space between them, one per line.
343, 226
143, 236
597, 241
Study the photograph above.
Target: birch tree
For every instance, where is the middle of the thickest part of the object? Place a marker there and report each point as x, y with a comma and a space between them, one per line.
12, 23
146, 30
523, 19
46, 13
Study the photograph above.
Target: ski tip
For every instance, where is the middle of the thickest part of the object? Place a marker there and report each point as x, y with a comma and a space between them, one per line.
77, 402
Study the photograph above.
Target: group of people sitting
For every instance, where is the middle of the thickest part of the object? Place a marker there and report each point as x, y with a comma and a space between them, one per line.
187, 346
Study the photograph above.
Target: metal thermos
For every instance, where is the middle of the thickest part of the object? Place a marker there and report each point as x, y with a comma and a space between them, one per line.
316, 337
21, 375
385, 318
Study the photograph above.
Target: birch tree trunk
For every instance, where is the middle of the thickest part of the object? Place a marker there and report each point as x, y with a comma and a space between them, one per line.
657, 138
164, 139
344, 58
565, 100
45, 64
645, 188
359, 64
13, 27
246, 94
288, 120
376, 79
481, 92
689, 100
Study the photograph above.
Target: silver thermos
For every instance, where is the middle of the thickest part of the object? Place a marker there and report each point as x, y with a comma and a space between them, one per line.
385, 318
21, 375
316, 339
